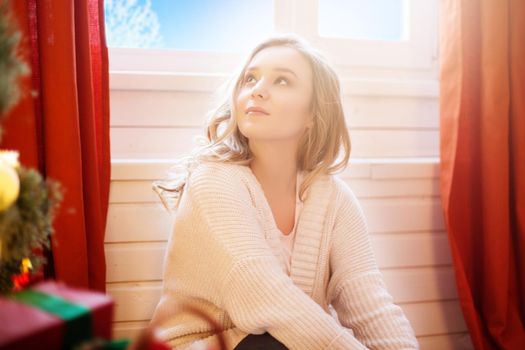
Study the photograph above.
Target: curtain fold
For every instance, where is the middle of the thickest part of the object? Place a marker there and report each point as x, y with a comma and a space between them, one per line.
482, 113
70, 118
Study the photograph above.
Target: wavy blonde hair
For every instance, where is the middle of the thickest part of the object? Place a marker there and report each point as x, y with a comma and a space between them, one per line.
324, 148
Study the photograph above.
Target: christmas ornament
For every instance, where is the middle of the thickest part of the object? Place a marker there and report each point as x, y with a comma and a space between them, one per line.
9, 181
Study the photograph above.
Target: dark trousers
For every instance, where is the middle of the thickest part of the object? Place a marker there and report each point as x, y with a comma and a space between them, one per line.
260, 342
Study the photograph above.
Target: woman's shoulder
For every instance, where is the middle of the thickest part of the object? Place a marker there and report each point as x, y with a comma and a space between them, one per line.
218, 174
343, 190
214, 168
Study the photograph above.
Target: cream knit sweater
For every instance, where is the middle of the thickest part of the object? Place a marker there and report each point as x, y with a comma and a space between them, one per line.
225, 256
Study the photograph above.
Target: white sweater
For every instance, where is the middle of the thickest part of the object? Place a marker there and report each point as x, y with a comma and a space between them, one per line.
225, 256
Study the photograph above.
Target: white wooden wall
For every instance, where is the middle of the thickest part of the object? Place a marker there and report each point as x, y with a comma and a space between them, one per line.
394, 172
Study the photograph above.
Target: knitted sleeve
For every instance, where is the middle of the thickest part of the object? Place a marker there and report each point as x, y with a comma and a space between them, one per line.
356, 288
243, 277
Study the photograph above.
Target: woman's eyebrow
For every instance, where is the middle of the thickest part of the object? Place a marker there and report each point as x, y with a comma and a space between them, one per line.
277, 69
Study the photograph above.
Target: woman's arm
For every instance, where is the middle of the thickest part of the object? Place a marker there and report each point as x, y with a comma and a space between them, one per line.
242, 276
356, 288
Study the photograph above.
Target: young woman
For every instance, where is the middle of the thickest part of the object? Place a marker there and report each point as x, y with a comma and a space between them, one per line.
266, 239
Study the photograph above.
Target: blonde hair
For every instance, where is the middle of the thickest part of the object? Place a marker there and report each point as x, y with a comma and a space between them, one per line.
319, 148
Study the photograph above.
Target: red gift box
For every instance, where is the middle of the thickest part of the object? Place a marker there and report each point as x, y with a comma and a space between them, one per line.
26, 326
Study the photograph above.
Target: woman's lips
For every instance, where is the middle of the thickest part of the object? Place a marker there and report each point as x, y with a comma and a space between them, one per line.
256, 111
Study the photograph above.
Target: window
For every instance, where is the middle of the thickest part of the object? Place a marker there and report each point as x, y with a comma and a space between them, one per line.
207, 36
202, 25
364, 20
416, 50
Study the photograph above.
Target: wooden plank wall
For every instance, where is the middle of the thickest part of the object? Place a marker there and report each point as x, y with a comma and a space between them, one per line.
394, 172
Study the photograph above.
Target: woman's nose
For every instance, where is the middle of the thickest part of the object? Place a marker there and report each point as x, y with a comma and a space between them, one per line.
259, 90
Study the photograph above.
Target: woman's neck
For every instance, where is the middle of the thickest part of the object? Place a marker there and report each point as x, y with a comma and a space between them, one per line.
275, 167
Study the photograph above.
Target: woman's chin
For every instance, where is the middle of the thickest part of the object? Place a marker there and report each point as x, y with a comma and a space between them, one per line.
250, 131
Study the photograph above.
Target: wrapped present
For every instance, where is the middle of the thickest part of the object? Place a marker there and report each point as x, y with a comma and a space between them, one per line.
50, 315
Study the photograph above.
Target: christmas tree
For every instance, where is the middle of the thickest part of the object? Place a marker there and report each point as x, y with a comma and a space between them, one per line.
27, 201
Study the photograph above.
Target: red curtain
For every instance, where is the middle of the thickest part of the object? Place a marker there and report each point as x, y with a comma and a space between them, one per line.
65, 128
482, 104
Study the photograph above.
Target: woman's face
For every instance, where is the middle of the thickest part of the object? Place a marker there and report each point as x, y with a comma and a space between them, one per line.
274, 99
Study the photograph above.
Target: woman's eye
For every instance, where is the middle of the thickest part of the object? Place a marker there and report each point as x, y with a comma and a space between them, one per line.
282, 81
249, 78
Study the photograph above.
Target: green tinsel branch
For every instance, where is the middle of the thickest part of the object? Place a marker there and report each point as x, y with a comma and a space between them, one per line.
11, 65
27, 224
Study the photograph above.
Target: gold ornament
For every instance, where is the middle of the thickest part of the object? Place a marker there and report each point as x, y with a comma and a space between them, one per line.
9, 181
26, 265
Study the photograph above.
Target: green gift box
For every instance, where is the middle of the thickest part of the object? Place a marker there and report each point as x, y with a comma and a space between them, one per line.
51, 315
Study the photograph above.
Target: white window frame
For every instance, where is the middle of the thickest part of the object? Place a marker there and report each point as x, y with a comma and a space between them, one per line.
417, 52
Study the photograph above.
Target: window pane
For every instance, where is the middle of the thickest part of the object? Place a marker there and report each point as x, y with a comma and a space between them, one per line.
363, 19
226, 25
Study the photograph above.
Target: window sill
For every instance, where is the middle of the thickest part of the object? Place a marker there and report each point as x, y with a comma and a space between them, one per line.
359, 168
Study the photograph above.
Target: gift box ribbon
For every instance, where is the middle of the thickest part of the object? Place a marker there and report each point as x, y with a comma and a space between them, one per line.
77, 318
